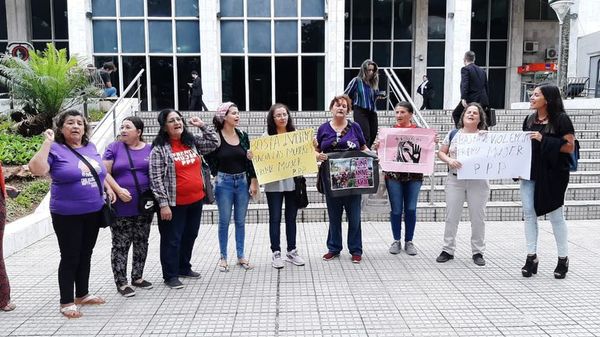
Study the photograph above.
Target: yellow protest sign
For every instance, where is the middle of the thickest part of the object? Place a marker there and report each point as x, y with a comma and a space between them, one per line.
283, 156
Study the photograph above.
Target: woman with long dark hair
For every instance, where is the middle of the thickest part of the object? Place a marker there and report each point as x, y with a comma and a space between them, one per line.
363, 91
553, 139
178, 184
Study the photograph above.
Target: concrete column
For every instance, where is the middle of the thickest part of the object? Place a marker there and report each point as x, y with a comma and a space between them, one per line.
458, 41
420, 48
81, 38
334, 45
210, 44
18, 20
515, 52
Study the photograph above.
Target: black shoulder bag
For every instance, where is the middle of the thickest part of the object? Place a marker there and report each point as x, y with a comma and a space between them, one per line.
300, 192
146, 204
109, 216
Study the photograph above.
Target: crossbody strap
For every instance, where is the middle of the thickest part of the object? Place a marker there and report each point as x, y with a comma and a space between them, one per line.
135, 179
92, 169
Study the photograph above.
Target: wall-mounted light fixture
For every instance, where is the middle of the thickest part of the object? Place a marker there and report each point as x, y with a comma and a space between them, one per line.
88, 14
421, 57
450, 15
218, 15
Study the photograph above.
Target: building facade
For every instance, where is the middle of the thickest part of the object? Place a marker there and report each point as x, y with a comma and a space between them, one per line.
300, 52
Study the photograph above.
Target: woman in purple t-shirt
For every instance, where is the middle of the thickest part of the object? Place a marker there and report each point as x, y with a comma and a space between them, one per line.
75, 205
340, 134
133, 226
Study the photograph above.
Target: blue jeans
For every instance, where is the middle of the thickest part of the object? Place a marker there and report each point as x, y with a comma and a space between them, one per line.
403, 196
231, 191
177, 238
110, 92
556, 217
275, 201
335, 208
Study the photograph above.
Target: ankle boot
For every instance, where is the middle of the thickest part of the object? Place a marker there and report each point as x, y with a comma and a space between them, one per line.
562, 267
531, 266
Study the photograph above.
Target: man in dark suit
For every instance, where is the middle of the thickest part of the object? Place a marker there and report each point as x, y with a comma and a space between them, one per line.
426, 90
473, 86
196, 102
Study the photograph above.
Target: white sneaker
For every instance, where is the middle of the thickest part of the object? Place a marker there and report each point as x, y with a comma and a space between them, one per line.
396, 247
293, 257
276, 260
410, 248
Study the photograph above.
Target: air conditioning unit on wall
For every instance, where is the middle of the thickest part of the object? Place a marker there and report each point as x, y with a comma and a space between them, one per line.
531, 46
551, 53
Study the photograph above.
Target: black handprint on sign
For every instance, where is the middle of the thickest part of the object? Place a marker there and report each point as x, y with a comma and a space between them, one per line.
416, 153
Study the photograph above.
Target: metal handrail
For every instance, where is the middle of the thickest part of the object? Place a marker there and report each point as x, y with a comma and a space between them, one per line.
400, 92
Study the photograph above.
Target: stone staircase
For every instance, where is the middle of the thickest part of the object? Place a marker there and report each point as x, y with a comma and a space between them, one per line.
582, 199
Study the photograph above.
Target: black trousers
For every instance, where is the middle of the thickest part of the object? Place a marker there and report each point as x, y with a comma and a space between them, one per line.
426, 102
197, 104
76, 236
368, 123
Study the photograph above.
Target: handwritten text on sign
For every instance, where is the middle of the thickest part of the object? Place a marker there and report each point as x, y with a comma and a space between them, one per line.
493, 155
283, 156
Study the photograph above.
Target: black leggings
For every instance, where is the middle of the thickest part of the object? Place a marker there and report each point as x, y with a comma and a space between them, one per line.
76, 236
368, 123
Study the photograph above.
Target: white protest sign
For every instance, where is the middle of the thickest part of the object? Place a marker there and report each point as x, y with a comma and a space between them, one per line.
493, 155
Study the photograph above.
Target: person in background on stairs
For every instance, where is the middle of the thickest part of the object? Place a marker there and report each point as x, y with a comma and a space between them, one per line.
235, 183
475, 191
5, 303
178, 184
363, 91
280, 121
128, 156
403, 190
107, 69
340, 134
552, 142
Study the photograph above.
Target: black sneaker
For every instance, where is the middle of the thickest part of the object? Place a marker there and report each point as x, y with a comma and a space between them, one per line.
478, 259
126, 291
174, 283
190, 274
444, 257
144, 284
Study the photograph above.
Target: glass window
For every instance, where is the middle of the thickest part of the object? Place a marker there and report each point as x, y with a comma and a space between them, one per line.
539, 10
360, 52
436, 54
313, 36
498, 53
313, 83
347, 20
402, 54
188, 36
105, 36
286, 81
261, 8
131, 66
361, 20
286, 36
480, 48
99, 7
159, 7
436, 77
61, 45
381, 53
382, 22
403, 18
161, 82
233, 81
286, 8
436, 23
132, 8
232, 8
40, 20
61, 25
497, 87
259, 77
499, 19
132, 36
3, 29
114, 76
259, 36
185, 65
160, 37
232, 37
186, 8
313, 8
479, 19
346, 54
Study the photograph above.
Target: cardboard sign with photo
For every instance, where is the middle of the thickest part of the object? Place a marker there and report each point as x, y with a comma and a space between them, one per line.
351, 172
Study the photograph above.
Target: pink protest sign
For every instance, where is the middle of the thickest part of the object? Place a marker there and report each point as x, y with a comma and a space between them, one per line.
406, 150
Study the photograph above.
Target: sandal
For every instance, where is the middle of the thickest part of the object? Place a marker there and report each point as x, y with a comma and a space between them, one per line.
70, 311
222, 265
90, 300
244, 263
9, 307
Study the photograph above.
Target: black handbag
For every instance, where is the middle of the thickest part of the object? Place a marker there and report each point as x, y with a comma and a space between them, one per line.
108, 214
209, 193
147, 204
300, 192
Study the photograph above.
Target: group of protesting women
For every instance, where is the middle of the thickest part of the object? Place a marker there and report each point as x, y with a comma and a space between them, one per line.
175, 170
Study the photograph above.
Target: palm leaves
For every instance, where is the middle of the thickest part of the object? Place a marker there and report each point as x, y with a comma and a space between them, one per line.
46, 85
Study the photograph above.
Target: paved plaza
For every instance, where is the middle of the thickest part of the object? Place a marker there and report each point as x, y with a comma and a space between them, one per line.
385, 295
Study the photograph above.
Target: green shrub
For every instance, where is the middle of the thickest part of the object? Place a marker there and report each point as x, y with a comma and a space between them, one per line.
95, 115
16, 149
33, 193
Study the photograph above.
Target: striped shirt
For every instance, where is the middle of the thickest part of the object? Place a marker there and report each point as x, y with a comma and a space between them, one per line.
361, 93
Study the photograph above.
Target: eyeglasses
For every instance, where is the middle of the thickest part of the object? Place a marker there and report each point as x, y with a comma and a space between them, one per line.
175, 120
284, 116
